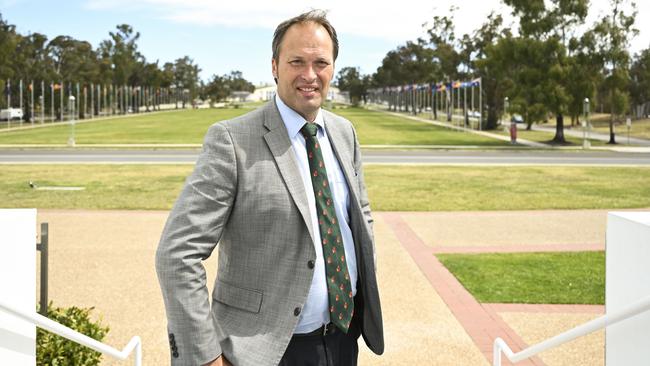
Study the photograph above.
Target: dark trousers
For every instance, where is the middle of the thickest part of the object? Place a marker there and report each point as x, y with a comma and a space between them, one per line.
335, 349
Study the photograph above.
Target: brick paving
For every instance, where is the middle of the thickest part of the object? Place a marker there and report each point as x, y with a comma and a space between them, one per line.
482, 322
440, 324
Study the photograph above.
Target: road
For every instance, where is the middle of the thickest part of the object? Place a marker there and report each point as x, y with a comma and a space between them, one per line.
440, 157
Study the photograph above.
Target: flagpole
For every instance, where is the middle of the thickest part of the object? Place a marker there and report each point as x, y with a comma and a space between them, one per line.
52, 101
42, 101
62, 92
31, 102
480, 103
20, 94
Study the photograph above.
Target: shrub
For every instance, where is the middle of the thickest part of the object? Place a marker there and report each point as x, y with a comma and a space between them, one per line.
54, 350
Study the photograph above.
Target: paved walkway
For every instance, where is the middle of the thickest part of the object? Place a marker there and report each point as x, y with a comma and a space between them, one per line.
106, 259
621, 135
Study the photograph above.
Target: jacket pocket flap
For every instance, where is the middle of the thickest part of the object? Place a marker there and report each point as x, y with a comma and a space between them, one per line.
238, 297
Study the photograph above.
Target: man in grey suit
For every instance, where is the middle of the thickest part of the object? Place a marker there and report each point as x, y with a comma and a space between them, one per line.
281, 190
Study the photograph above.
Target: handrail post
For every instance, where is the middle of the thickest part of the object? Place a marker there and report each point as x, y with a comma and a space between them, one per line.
496, 353
44, 249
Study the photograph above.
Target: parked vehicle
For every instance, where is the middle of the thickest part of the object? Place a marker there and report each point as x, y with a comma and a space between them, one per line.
11, 113
517, 118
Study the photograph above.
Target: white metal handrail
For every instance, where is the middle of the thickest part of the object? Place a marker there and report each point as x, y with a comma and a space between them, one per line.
39, 320
579, 331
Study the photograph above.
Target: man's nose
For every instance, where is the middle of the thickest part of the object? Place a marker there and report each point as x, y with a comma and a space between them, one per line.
309, 73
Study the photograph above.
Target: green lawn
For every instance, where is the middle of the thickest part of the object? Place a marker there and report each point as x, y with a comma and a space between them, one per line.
531, 278
440, 188
391, 188
189, 126
379, 128
175, 127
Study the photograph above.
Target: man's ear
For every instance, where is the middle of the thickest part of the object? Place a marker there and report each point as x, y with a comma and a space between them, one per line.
274, 70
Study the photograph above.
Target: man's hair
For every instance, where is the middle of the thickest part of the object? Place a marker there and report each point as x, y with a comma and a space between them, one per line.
315, 16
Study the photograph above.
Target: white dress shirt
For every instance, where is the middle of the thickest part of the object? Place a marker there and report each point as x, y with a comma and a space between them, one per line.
315, 313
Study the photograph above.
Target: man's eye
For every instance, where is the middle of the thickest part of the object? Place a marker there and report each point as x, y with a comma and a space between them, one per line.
295, 62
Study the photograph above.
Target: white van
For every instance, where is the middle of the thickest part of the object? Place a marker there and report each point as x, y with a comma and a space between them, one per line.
11, 113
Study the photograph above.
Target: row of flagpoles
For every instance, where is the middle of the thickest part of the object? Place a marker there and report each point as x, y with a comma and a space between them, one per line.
89, 100
449, 98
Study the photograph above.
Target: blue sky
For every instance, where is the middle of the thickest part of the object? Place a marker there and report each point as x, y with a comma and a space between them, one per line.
225, 36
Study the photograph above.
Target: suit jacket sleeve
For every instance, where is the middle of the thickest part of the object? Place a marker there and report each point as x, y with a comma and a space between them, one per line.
192, 231
363, 193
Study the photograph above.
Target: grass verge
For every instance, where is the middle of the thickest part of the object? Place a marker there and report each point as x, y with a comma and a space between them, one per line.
175, 127
531, 278
391, 188
189, 126
379, 128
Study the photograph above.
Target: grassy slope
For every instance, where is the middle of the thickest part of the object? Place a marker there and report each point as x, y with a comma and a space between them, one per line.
531, 278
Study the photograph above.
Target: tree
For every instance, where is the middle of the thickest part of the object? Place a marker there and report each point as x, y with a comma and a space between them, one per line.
186, 77
614, 34
491, 66
549, 26
442, 40
407, 64
120, 53
583, 74
350, 79
221, 87
73, 60
8, 41
640, 83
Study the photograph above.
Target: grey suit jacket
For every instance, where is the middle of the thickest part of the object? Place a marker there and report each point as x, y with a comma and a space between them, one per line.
246, 194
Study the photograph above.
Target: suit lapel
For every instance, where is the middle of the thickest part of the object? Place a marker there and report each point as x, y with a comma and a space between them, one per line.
277, 138
343, 155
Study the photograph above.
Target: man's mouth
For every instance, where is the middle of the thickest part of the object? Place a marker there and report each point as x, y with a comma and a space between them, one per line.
307, 90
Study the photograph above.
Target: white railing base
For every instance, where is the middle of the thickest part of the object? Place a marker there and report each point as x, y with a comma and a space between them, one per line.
135, 344
500, 346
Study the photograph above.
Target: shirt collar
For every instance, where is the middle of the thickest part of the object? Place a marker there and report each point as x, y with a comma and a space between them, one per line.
293, 121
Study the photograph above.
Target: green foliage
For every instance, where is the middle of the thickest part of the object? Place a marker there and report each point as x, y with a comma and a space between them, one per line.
640, 78
54, 350
413, 62
531, 278
222, 87
349, 79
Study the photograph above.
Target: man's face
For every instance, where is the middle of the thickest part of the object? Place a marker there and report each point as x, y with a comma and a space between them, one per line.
304, 68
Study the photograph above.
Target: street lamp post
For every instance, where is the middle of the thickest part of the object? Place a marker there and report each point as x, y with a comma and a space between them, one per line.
585, 125
506, 106
71, 105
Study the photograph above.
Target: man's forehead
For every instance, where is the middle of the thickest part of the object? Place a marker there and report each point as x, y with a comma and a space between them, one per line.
300, 41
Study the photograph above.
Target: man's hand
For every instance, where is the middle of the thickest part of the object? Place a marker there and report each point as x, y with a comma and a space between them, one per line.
220, 361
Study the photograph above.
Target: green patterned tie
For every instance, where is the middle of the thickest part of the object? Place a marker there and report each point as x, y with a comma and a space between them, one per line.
338, 279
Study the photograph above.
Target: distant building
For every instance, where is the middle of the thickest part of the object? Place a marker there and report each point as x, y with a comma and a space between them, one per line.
266, 92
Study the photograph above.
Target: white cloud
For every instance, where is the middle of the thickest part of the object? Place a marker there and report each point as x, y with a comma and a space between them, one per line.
396, 21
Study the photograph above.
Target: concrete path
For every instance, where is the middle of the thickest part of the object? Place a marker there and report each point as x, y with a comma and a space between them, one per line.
621, 135
105, 259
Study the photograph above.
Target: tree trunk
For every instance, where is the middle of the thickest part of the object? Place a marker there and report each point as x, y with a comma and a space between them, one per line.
612, 136
559, 130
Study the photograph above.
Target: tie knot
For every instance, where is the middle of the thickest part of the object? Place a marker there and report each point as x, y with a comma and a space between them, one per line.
309, 129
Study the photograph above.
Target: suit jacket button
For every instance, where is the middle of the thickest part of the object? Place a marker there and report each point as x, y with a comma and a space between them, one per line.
296, 311
310, 264
175, 354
